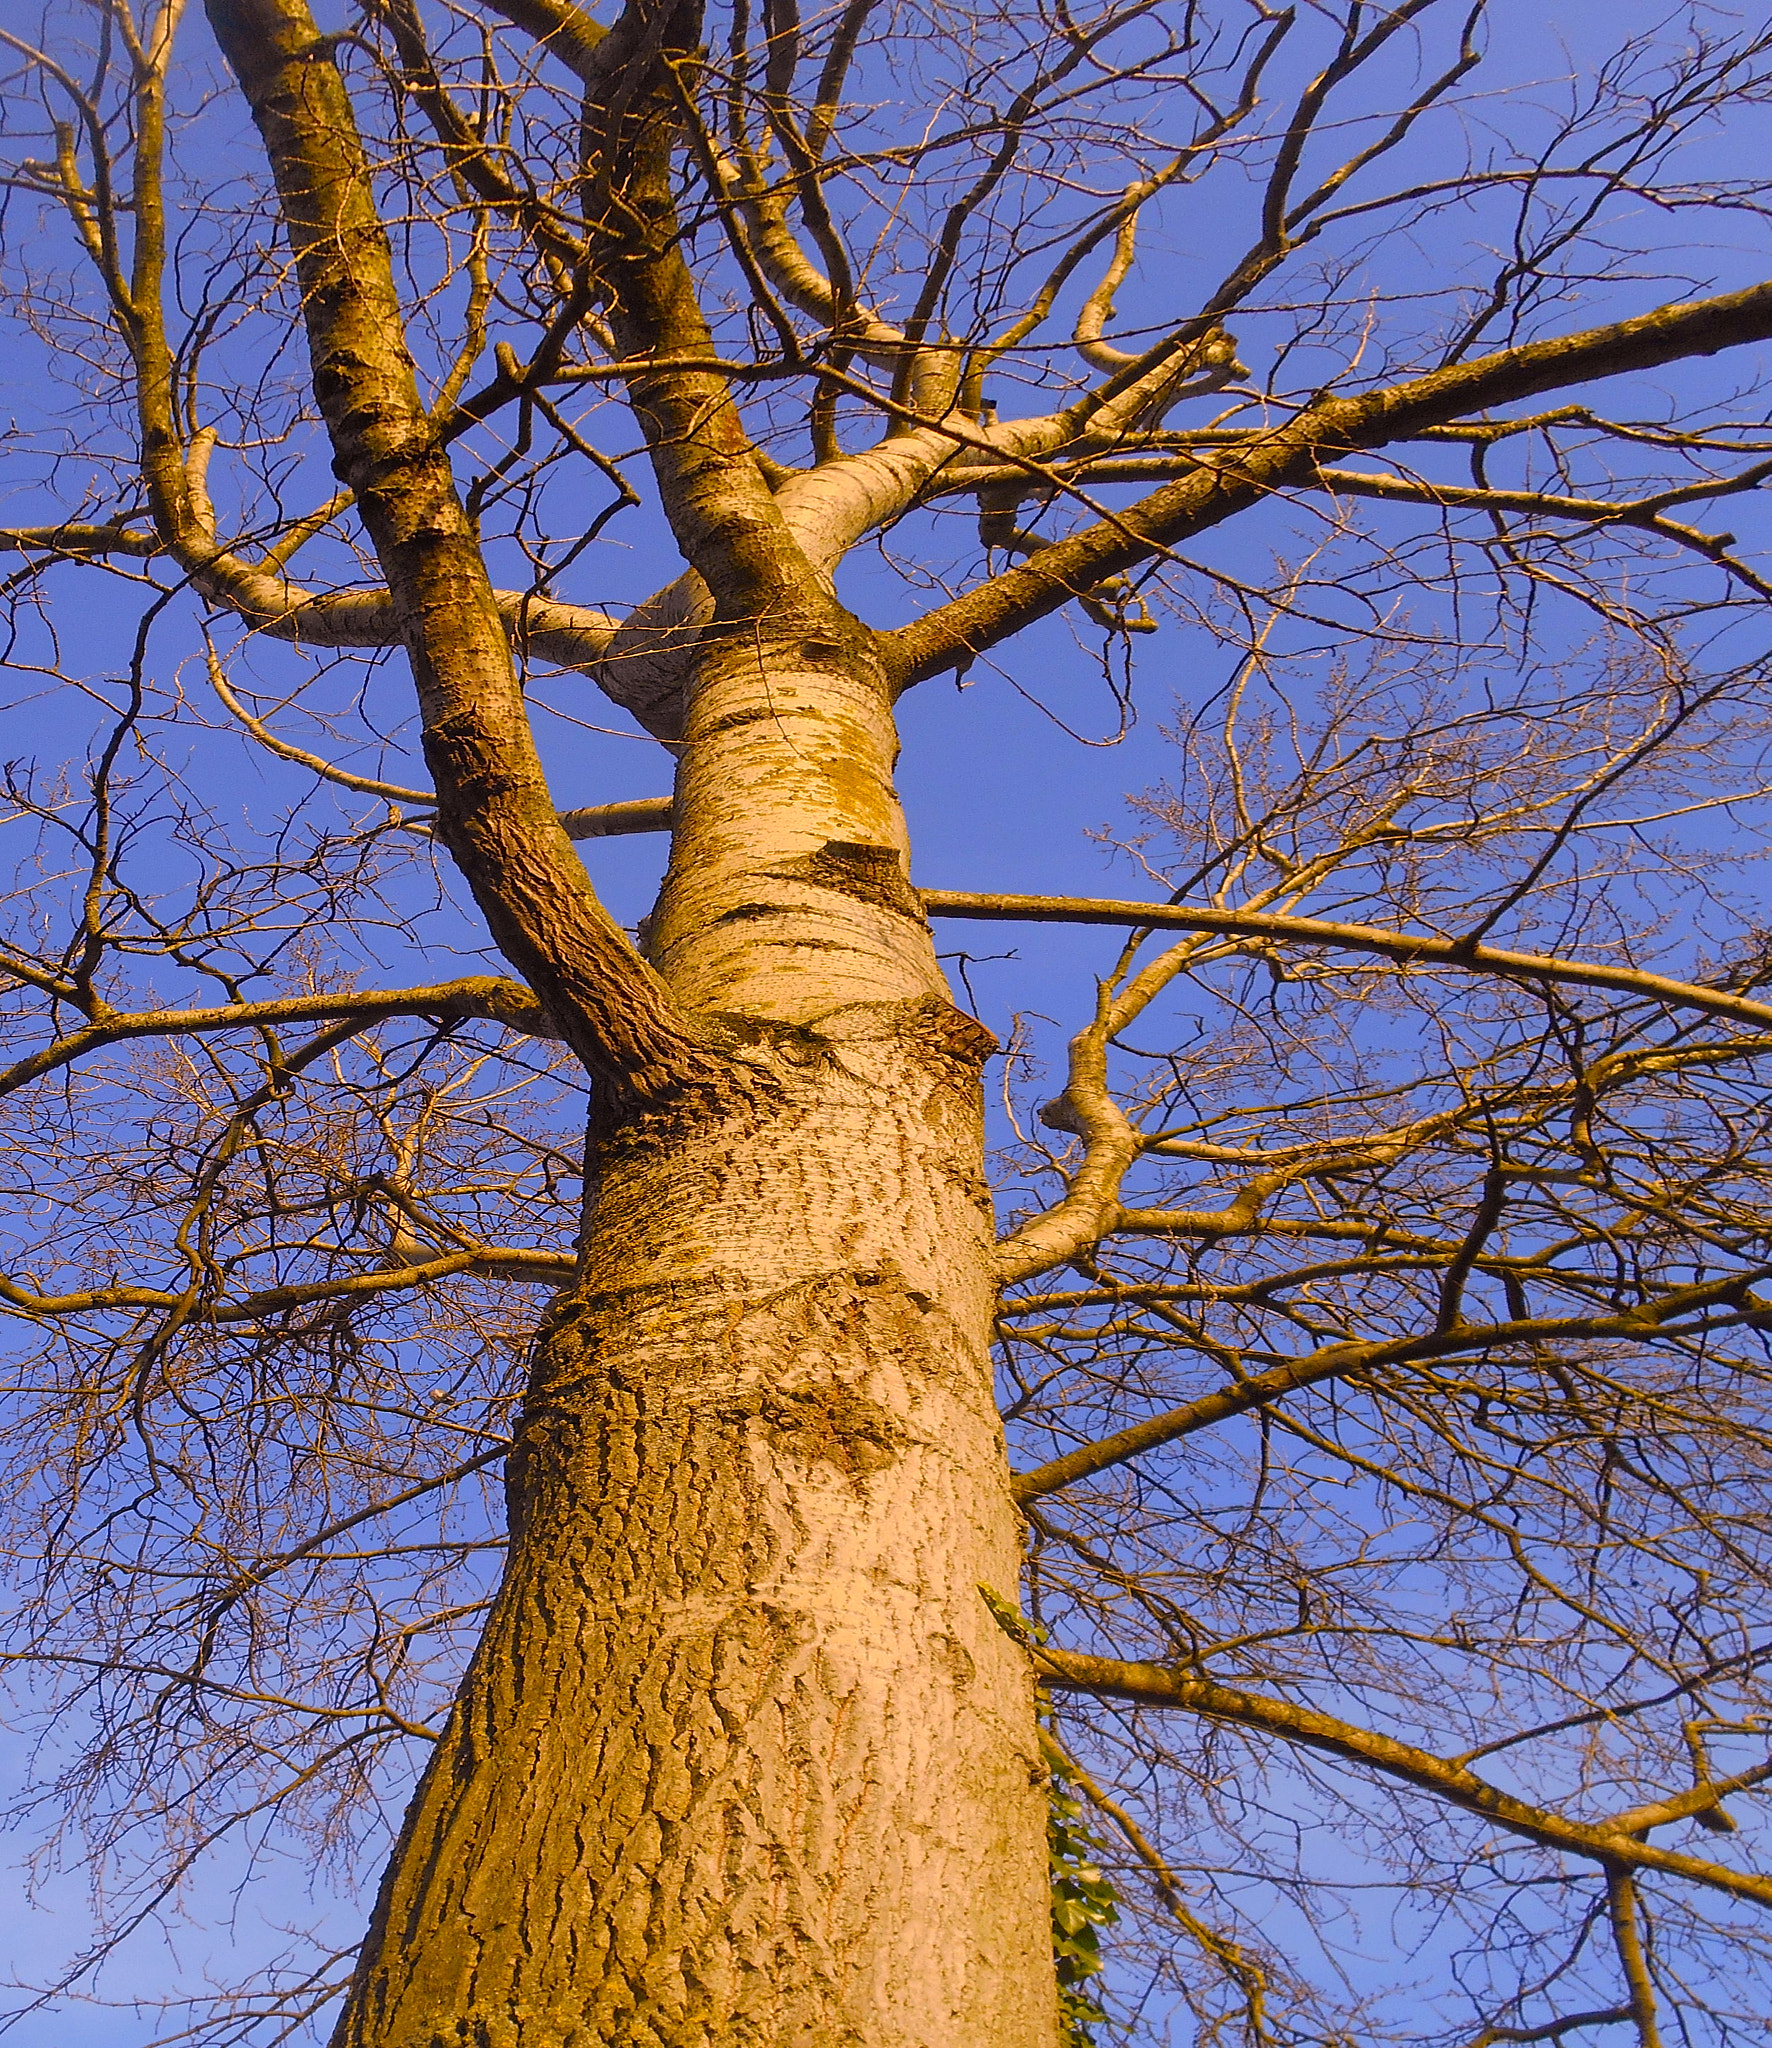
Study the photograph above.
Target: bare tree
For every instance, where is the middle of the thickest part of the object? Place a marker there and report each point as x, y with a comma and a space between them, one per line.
1376, 1319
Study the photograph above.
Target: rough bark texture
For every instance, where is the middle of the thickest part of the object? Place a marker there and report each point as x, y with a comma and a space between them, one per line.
743, 1756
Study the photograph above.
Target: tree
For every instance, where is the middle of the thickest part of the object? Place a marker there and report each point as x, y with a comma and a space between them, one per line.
1381, 1293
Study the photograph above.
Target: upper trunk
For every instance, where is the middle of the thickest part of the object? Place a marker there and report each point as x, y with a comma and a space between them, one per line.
789, 892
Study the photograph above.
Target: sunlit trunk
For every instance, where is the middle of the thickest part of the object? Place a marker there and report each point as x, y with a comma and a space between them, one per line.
743, 1756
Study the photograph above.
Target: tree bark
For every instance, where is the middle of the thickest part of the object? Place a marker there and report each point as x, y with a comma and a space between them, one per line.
743, 1756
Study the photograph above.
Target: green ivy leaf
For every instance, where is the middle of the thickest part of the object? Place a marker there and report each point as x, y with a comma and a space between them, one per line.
1084, 1898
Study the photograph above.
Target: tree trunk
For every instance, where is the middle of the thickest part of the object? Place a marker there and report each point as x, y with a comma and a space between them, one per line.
743, 1757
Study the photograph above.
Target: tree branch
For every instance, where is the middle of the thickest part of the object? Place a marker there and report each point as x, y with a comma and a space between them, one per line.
1337, 1361
483, 996
521, 1263
494, 811
1156, 1685
1621, 1906
1403, 947
1230, 482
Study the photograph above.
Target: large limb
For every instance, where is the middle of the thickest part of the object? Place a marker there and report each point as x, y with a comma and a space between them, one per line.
263, 597
1230, 481
526, 1262
1408, 949
494, 810
715, 493
1646, 513
1691, 1310
568, 33
251, 583
742, 546
1618, 1840
180, 523
484, 996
